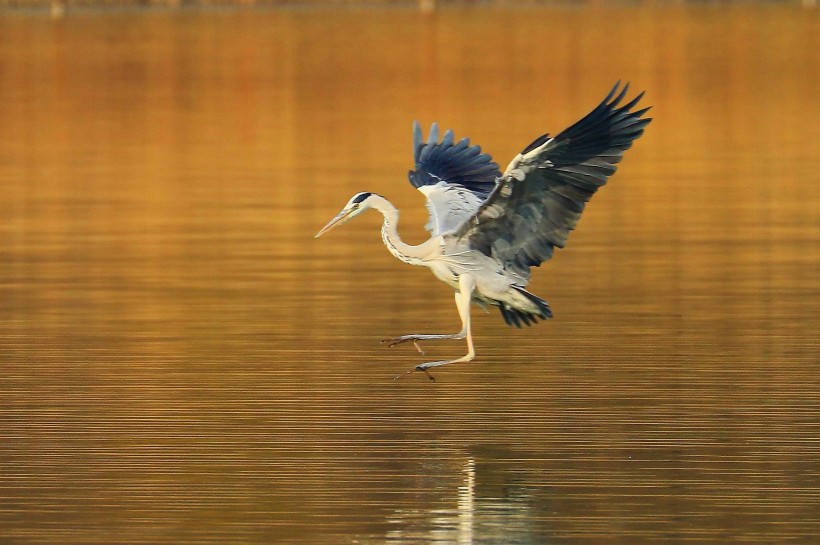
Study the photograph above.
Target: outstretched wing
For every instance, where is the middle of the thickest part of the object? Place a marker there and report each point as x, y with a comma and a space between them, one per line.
455, 178
540, 197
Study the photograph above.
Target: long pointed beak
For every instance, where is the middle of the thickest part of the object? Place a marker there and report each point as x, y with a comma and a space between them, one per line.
338, 220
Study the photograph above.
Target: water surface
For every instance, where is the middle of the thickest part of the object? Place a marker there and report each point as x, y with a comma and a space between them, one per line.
180, 362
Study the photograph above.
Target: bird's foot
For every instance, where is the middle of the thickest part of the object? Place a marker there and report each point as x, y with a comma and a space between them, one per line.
430, 364
423, 367
415, 369
405, 339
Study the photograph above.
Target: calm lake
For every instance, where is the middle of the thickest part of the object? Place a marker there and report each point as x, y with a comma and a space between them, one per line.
181, 362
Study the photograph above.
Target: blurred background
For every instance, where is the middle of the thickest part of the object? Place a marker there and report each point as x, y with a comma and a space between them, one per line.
181, 362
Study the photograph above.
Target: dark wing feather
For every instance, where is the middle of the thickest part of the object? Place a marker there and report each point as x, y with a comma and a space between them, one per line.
455, 177
541, 196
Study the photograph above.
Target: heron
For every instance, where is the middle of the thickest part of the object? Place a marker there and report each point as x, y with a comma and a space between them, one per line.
488, 228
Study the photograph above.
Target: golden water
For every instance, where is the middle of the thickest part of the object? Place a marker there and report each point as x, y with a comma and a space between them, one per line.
180, 362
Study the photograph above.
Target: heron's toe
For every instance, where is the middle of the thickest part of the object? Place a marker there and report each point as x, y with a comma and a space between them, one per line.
423, 368
398, 340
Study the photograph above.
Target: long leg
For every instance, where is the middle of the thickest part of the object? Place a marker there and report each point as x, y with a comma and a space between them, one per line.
466, 285
463, 296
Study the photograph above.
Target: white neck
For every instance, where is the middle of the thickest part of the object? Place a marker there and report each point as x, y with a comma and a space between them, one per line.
415, 255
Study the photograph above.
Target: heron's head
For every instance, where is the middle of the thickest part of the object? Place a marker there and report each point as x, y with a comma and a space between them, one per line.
355, 206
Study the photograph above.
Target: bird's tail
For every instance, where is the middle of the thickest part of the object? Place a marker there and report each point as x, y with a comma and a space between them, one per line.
516, 317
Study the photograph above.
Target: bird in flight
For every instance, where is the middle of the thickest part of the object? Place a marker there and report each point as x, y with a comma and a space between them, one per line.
489, 228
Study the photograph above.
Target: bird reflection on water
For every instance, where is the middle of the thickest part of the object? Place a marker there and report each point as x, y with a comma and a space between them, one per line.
486, 505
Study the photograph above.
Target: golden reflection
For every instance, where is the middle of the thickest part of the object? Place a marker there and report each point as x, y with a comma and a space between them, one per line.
182, 362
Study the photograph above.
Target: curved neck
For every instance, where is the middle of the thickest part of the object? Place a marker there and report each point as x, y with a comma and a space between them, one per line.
390, 235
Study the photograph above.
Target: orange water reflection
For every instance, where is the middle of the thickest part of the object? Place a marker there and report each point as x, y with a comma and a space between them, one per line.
182, 362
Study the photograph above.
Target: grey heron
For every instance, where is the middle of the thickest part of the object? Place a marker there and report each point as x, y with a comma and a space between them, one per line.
489, 228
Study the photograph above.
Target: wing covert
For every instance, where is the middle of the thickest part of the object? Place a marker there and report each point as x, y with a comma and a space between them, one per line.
540, 197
